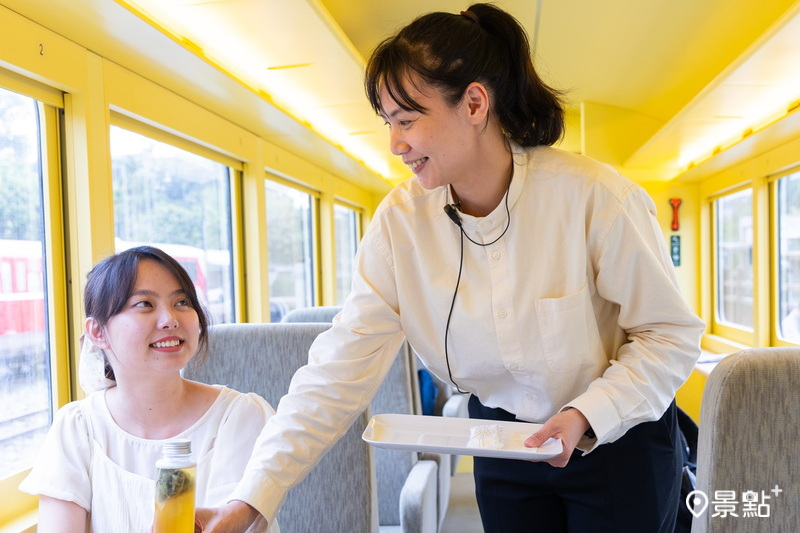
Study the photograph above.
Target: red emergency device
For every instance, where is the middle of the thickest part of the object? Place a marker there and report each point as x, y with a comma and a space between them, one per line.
675, 203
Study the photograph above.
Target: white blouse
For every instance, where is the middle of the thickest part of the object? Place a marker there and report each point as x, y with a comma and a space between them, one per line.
576, 305
89, 460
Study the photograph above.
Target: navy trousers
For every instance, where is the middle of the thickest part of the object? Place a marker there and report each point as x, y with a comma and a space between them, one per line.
631, 485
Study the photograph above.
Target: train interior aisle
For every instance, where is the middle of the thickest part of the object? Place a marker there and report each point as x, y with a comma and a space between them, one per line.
236, 136
462, 511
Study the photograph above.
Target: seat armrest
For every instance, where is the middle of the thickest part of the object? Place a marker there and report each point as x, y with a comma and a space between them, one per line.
418, 505
444, 467
457, 405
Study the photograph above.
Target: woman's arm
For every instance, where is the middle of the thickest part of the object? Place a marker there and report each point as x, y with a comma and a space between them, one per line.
634, 270
60, 516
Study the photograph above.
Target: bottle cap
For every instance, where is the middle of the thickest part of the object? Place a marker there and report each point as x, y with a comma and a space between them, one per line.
177, 447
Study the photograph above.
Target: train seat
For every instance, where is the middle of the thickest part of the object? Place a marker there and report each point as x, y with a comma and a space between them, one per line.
748, 455
320, 313
409, 493
262, 358
449, 402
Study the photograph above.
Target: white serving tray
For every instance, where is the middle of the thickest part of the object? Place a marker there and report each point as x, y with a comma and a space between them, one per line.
440, 434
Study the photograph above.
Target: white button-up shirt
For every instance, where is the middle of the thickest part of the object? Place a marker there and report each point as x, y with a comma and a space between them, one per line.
576, 305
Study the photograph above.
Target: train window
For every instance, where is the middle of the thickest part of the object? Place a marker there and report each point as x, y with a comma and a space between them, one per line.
290, 246
788, 201
180, 202
25, 376
734, 259
346, 222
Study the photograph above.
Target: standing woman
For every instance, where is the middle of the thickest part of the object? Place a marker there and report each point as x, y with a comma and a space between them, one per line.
536, 280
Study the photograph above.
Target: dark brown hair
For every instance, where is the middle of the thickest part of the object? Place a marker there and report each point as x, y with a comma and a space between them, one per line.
110, 284
449, 52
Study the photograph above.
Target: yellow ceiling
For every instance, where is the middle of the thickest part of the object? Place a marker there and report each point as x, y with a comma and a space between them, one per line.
649, 56
644, 78
652, 75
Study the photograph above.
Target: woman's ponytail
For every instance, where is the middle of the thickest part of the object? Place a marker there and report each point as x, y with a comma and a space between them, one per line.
530, 112
483, 44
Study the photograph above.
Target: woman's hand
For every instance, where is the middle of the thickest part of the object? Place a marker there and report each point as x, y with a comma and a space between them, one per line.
569, 426
234, 517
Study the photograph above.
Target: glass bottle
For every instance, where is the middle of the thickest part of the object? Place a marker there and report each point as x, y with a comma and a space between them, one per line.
175, 488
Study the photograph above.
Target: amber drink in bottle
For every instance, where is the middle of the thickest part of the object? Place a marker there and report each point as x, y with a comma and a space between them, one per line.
175, 488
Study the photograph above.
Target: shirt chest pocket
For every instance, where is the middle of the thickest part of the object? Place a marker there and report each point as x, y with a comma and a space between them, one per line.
564, 326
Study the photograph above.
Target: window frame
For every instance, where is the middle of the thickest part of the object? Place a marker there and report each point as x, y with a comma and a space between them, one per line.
235, 170
317, 253
50, 108
359, 213
775, 267
729, 331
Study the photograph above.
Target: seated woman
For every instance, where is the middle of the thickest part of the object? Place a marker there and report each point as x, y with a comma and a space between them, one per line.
97, 465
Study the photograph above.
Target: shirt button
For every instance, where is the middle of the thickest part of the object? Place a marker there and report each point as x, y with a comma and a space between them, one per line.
486, 224
497, 255
531, 396
502, 314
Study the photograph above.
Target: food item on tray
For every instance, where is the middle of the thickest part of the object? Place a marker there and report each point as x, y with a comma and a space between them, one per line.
486, 436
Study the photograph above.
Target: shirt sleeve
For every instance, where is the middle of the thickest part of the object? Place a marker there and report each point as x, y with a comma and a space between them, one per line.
634, 271
62, 469
345, 367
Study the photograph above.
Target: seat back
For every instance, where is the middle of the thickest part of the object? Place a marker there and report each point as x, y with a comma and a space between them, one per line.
749, 443
398, 394
393, 466
262, 358
321, 313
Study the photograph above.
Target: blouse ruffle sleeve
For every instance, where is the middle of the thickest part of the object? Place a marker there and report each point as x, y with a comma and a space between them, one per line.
236, 436
62, 469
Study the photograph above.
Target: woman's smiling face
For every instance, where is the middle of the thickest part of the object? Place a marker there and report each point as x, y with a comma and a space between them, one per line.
437, 145
157, 329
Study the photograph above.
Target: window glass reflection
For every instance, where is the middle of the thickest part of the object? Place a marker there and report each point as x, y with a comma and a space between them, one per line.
25, 390
290, 244
789, 258
180, 202
346, 233
734, 228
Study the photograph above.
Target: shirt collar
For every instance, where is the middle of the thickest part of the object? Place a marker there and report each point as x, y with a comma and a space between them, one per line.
495, 222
